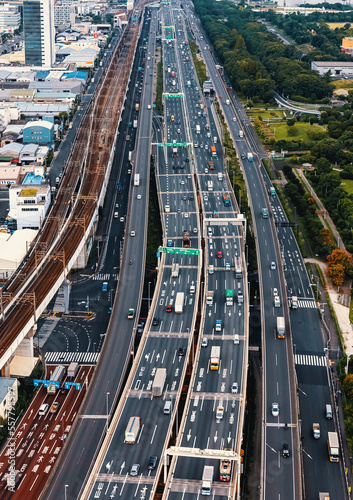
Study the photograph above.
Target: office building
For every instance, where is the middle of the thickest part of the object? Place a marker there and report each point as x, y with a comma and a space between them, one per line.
10, 18
39, 32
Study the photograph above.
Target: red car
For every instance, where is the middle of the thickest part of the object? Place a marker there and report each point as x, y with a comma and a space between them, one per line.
168, 308
219, 254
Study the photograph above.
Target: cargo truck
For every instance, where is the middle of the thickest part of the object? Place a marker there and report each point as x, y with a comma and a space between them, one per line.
72, 370
137, 180
250, 157
174, 152
198, 130
294, 302
132, 430
215, 357
158, 382
172, 118
137, 106
272, 191
189, 83
225, 468
209, 297
207, 479
280, 327
186, 238
316, 431
175, 270
179, 302
333, 446
324, 496
238, 270
210, 186
218, 325
135, 124
226, 199
56, 376
213, 151
229, 297
210, 165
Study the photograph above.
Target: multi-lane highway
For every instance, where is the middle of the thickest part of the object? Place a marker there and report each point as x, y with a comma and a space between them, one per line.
307, 351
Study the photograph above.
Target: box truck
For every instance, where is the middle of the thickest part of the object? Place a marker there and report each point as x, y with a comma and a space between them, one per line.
132, 430
158, 382
137, 180
280, 327
179, 302
207, 479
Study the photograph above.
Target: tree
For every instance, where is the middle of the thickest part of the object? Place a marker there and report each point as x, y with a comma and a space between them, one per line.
339, 263
290, 122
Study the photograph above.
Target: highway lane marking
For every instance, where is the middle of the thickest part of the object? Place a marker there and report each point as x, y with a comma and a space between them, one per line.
274, 451
307, 454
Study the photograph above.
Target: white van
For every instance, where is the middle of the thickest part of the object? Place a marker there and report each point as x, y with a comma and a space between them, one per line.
211, 269
236, 339
328, 411
277, 301
167, 407
220, 176
43, 409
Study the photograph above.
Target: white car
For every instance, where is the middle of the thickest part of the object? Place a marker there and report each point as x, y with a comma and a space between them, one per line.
204, 342
138, 197
273, 266
234, 119
206, 170
235, 388
121, 219
186, 215
275, 292
275, 409
132, 233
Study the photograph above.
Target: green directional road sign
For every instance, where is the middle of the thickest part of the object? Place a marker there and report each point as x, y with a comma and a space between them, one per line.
174, 95
168, 27
179, 251
173, 144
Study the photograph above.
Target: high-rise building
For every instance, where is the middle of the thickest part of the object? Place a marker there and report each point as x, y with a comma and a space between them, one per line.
39, 32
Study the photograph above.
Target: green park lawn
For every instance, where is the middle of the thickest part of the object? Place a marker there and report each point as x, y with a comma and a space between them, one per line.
347, 185
271, 114
280, 131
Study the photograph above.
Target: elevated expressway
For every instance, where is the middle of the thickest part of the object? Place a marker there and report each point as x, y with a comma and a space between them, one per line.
182, 183
69, 227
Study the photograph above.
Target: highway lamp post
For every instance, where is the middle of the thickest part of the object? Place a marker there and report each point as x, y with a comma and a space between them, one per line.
107, 409
149, 295
66, 486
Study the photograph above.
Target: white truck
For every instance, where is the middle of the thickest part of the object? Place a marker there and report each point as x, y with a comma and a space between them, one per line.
179, 302
294, 302
158, 382
276, 300
209, 297
207, 479
241, 133
132, 430
72, 369
280, 327
137, 180
175, 270
135, 124
198, 130
316, 431
210, 185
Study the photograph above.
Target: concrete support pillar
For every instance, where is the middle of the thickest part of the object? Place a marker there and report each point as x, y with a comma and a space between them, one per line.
67, 289
5, 370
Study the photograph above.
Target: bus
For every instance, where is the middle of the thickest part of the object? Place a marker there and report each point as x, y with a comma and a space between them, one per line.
226, 199
238, 271
215, 357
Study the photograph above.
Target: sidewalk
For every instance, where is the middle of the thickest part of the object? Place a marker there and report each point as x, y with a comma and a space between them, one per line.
326, 217
340, 302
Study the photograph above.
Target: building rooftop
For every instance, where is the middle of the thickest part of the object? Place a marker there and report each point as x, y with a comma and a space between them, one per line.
334, 64
5, 383
39, 123
31, 179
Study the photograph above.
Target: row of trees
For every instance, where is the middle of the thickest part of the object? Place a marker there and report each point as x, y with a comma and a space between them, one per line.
256, 61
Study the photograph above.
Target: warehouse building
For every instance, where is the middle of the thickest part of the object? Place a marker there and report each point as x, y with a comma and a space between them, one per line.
337, 68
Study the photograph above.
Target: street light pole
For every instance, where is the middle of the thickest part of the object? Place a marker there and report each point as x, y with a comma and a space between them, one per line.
66, 486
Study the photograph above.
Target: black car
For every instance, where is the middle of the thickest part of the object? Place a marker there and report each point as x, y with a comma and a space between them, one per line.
174, 167
187, 160
152, 462
285, 450
182, 351
155, 321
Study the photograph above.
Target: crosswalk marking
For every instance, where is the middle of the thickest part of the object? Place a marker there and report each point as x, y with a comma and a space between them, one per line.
310, 360
104, 277
305, 303
90, 358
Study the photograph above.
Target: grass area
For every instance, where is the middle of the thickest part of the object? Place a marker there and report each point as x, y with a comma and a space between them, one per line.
351, 311
269, 114
347, 185
343, 84
281, 131
199, 65
154, 230
159, 89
